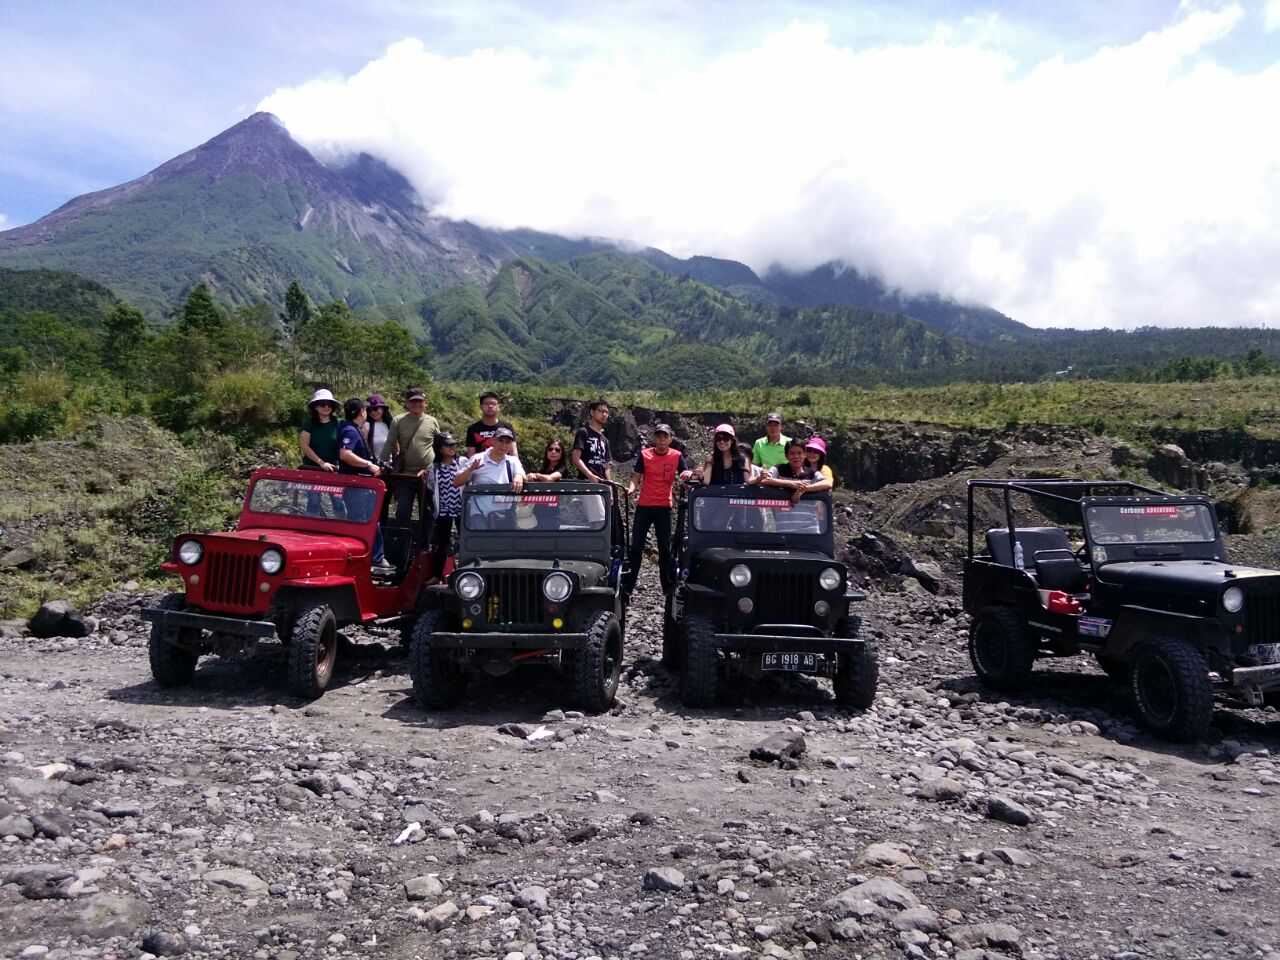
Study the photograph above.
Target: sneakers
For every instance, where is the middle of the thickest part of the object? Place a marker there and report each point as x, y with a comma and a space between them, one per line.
383, 569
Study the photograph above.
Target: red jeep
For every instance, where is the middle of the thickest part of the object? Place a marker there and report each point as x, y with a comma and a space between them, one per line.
296, 567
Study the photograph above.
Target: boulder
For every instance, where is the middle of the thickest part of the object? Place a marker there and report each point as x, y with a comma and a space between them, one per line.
778, 747
58, 618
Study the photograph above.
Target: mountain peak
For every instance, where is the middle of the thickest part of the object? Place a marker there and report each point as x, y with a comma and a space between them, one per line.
258, 144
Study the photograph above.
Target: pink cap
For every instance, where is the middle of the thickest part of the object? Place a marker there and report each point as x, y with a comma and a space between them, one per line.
816, 443
726, 428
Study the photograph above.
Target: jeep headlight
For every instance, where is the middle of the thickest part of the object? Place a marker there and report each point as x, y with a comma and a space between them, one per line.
190, 552
272, 561
1233, 599
740, 575
469, 586
830, 579
557, 587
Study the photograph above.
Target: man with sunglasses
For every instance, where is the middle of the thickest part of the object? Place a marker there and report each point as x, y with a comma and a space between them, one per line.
411, 447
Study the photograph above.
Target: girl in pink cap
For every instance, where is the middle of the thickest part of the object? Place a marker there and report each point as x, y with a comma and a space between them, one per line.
725, 465
815, 454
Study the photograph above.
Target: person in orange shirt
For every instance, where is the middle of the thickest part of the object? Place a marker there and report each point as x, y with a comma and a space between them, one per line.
657, 468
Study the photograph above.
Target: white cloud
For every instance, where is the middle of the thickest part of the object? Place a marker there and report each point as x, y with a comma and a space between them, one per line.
4, 222
1271, 15
1137, 185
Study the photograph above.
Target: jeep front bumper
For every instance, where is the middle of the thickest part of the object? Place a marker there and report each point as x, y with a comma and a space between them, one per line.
493, 640
207, 621
1264, 678
771, 642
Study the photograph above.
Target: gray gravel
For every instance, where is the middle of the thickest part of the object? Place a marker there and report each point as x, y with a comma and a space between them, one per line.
228, 820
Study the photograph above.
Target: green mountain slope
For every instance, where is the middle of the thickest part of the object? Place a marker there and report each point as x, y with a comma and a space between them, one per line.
65, 295
612, 320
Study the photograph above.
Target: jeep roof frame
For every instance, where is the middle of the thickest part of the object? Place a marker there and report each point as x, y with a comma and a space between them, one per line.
1048, 488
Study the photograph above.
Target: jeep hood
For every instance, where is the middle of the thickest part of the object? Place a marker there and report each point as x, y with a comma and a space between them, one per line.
298, 547
714, 557
1181, 576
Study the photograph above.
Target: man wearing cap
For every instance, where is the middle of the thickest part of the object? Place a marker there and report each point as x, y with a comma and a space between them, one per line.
410, 446
771, 449
495, 465
657, 467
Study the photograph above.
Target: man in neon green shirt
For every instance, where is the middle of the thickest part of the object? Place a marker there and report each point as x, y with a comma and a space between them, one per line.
770, 450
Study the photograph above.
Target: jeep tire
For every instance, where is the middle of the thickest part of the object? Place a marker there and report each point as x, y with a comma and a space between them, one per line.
1171, 691
592, 672
438, 678
1001, 650
1118, 670
699, 662
313, 650
857, 672
173, 663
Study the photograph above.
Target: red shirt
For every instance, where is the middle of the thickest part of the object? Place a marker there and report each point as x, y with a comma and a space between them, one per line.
659, 473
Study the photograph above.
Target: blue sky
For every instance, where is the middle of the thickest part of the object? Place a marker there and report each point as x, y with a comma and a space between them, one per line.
998, 153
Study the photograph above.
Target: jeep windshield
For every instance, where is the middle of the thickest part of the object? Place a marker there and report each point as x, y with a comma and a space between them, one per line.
324, 498
1150, 523
539, 512
759, 514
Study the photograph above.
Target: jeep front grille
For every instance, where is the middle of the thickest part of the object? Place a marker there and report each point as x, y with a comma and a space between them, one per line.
514, 598
229, 579
785, 597
1262, 617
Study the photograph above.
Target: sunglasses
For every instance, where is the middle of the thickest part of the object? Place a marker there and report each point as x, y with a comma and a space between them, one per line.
723, 438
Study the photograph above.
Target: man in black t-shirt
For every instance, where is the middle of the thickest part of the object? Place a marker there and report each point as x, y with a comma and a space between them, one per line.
591, 456
479, 436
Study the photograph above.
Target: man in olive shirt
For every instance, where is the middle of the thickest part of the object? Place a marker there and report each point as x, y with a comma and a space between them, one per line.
771, 449
410, 446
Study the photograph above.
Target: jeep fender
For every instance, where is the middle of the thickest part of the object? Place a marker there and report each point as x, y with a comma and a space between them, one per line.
341, 597
1136, 625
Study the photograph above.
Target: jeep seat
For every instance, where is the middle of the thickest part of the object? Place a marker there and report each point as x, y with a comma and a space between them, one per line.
1033, 540
1059, 570
397, 544
1046, 552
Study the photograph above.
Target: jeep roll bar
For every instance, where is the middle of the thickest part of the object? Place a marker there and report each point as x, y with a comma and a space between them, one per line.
1045, 489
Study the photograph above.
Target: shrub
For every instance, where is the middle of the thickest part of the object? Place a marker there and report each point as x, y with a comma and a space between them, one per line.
250, 401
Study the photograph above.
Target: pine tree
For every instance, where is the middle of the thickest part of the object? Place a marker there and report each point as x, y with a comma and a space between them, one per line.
125, 339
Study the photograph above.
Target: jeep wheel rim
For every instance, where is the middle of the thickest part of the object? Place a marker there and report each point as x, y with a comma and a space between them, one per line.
326, 653
1158, 690
612, 660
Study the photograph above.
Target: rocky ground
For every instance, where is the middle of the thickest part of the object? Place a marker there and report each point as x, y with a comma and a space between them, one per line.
230, 820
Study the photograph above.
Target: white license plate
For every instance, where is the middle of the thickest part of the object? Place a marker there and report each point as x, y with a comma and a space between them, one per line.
797, 662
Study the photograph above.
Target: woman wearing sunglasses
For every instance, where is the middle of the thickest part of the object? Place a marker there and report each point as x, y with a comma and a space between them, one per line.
725, 465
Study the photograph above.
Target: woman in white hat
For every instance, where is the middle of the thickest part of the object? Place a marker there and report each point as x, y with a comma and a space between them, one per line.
319, 438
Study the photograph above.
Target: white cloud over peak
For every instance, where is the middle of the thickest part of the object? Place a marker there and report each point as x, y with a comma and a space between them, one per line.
1137, 185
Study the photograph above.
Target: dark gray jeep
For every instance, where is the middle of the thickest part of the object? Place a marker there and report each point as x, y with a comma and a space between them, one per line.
536, 581
1149, 593
758, 590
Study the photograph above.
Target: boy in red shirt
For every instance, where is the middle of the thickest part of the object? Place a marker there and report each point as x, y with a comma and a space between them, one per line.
657, 468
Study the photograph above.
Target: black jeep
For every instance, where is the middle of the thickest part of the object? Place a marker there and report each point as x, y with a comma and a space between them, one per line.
1150, 593
536, 581
758, 585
